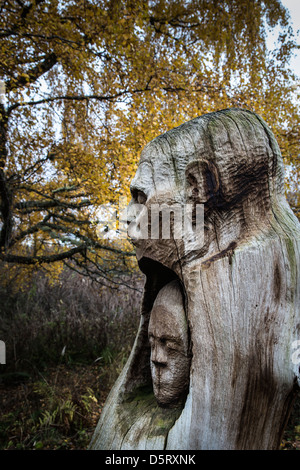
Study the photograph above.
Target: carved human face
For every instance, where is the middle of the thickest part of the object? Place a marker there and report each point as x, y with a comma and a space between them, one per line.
169, 360
183, 190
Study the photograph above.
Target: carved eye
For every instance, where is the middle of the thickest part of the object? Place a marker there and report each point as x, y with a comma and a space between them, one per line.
139, 196
172, 345
169, 343
151, 340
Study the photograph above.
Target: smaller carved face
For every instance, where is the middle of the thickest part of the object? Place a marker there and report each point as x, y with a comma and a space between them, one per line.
170, 359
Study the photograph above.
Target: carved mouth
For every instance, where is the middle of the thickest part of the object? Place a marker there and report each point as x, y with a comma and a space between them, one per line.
157, 276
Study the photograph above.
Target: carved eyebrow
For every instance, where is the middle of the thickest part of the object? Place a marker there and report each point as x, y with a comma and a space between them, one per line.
170, 338
134, 190
163, 337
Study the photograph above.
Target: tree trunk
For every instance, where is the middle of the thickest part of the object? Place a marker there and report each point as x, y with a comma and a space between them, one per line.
241, 296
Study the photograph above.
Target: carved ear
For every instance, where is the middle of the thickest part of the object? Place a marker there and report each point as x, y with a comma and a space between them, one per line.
202, 181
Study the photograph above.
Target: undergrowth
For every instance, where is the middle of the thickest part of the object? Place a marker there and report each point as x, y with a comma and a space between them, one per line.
67, 343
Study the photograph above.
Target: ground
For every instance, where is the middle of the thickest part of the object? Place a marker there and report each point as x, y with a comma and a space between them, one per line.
59, 408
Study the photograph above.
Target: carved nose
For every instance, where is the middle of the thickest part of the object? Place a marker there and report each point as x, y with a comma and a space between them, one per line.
130, 214
159, 356
137, 221
131, 222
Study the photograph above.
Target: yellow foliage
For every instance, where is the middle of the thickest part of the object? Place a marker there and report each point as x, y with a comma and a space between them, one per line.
88, 84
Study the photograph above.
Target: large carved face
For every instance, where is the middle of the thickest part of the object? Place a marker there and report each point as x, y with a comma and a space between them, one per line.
159, 196
215, 161
168, 337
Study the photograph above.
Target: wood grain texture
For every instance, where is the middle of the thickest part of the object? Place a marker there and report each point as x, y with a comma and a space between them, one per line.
241, 291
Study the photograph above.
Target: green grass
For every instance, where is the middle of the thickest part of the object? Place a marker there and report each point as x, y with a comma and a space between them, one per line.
56, 410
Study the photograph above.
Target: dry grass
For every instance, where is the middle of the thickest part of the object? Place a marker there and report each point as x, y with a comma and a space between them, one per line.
73, 315
66, 345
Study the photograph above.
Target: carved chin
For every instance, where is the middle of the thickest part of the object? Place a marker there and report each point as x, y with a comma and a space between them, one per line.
169, 385
162, 393
166, 395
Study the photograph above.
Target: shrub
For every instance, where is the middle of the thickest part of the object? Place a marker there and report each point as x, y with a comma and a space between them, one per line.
72, 315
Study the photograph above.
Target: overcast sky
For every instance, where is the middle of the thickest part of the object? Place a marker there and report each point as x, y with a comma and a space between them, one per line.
294, 9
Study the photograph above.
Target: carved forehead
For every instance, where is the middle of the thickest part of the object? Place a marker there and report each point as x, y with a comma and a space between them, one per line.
168, 313
163, 161
167, 323
169, 153
231, 139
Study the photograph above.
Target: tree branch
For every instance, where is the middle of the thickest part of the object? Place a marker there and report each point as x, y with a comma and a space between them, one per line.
34, 229
33, 74
72, 98
30, 260
94, 274
32, 206
5, 193
90, 97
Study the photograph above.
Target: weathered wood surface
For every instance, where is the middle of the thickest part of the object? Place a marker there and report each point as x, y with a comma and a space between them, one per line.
241, 290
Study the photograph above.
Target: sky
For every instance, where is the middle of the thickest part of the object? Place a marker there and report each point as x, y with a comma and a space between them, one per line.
294, 8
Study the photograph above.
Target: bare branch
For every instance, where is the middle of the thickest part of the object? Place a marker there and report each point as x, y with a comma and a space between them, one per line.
72, 98
32, 206
91, 97
33, 229
30, 260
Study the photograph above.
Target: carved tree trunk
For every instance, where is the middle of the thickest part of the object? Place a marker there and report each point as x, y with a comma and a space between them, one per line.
241, 293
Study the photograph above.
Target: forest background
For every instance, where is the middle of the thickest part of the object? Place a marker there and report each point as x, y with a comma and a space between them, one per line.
84, 86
